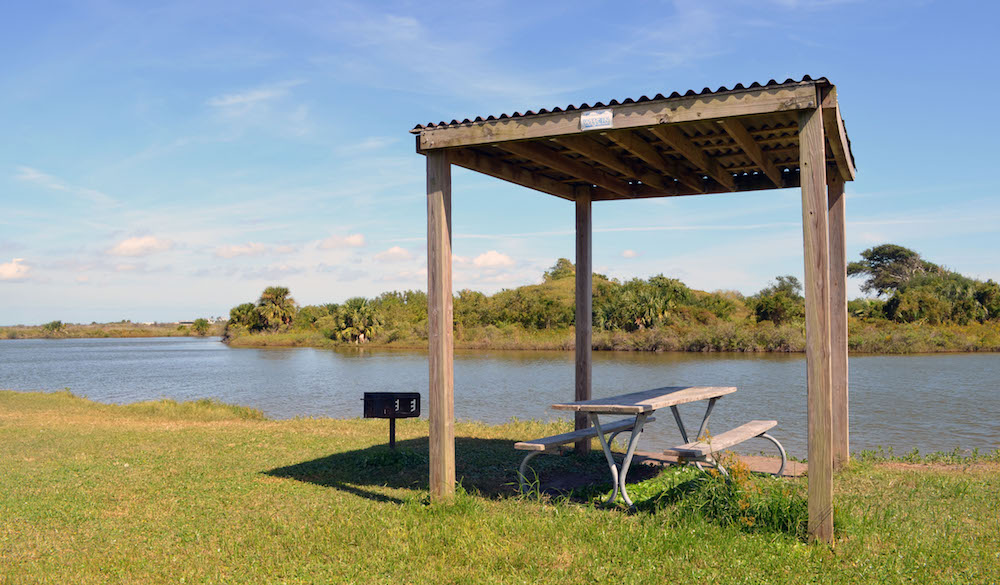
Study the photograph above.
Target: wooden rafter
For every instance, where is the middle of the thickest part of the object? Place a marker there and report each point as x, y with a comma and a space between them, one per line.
545, 156
652, 157
607, 157
672, 136
495, 167
745, 141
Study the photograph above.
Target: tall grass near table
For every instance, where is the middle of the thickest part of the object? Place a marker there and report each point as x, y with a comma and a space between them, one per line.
206, 493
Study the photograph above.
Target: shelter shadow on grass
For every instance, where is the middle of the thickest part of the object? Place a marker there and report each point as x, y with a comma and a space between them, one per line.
487, 467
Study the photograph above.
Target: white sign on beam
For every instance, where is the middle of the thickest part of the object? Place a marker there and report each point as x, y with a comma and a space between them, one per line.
595, 119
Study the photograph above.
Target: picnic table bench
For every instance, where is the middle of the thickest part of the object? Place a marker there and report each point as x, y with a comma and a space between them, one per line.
556, 444
642, 405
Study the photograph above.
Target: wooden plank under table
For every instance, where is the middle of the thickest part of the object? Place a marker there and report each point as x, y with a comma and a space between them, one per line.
647, 401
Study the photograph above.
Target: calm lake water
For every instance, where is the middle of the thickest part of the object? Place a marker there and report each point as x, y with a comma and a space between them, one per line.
925, 402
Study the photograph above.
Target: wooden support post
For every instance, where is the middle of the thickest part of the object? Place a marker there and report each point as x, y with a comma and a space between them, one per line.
817, 288
440, 323
838, 320
584, 307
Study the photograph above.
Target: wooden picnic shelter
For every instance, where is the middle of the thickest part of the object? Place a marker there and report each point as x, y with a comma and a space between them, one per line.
762, 136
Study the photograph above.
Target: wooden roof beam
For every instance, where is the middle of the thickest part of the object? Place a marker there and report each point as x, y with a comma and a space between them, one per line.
597, 152
500, 169
836, 134
652, 157
738, 132
747, 102
545, 156
676, 139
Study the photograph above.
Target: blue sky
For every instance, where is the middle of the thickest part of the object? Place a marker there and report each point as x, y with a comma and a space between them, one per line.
165, 161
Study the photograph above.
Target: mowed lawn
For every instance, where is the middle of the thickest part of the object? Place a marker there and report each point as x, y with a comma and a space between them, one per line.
208, 493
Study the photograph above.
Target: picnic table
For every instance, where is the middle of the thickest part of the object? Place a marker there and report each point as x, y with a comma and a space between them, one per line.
642, 405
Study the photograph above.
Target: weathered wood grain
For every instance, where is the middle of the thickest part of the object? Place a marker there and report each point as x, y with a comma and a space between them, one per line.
838, 320
647, 400
550, 443
440, 324
634, 115
817, 293
724, 440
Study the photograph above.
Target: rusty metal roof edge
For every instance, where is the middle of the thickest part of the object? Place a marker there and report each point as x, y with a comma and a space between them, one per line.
739, 87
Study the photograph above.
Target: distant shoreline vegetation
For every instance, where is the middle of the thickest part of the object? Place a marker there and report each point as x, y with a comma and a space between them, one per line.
58, 330
918, 307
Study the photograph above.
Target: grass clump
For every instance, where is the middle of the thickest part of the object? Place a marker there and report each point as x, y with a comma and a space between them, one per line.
748, 502
204, 409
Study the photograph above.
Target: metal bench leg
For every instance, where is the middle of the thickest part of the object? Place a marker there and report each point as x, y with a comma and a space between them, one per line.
784, 456
522, 472
595, 420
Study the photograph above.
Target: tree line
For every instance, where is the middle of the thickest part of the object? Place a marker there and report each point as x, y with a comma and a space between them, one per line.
903, 286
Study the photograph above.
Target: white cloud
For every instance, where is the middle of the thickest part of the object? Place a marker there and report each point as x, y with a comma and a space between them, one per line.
630, 254
348, 241
140, 246
234, 250
394, 254
14, 270
492, 259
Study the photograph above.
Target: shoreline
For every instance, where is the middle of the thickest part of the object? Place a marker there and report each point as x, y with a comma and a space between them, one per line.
211, 409
863, 338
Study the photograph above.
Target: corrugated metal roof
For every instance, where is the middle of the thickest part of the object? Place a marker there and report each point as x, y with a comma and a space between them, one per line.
704, 92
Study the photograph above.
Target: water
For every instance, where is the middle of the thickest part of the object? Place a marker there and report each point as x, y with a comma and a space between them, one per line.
926, 402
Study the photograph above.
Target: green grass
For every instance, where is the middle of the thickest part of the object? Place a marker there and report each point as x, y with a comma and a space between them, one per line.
207, 493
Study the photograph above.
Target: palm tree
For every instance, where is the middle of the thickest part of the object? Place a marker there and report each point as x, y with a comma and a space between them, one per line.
276, 307
358, 320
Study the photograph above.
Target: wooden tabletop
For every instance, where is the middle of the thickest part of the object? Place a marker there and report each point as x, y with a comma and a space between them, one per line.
647, 400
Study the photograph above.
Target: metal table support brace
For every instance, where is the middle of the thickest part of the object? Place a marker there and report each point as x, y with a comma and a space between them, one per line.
619, 476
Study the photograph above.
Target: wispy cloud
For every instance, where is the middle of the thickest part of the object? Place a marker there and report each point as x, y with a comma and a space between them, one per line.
268, 106
630, 254
47, 181
140, 246
16, 269
243, 100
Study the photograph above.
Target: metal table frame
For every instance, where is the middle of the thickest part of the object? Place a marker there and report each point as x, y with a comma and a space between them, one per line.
619, 477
